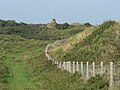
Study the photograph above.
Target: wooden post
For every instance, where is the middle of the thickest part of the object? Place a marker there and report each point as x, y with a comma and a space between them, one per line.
63, 66
55, 62
93, 69
59, 65
73, 66
87, 70
101, 69
67, 68
111, 74
82, 68
77, 66
70, 67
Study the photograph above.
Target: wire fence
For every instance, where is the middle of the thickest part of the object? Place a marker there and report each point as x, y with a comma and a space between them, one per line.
87, 70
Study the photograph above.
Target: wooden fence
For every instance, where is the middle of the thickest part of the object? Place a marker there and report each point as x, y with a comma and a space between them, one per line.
87, 70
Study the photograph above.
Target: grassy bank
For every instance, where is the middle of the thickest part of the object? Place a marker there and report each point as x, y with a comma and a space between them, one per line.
102, 45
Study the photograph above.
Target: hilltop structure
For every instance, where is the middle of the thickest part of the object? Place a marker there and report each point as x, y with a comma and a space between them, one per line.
53, 24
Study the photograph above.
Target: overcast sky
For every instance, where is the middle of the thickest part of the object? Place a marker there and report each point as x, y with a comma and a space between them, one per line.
42, 11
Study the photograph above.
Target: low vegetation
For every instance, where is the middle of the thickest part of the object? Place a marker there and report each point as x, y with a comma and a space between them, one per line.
38, 32
3, 74
24, 66
102, 45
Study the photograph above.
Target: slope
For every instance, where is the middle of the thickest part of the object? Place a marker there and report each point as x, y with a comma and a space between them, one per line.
102, 45
38, 32
29, 69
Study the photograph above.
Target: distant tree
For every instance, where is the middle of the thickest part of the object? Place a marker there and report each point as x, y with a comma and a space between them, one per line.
87, 24
11, 23
66, 26
63, 26
4, 23
22, 23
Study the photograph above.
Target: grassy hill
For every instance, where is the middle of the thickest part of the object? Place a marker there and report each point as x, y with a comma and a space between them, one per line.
40, 32
16, 50
29, 69
103, 44
20, 56
24, 66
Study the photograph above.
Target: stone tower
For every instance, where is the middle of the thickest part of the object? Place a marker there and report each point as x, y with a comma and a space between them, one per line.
52, 25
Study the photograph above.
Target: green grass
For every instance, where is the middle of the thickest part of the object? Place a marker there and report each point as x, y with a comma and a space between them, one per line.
14, 59
40, 33
18, 78
47, 77
18, 50
102, 45
29, 68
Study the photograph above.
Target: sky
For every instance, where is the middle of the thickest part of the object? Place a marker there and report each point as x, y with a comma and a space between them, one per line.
42, 11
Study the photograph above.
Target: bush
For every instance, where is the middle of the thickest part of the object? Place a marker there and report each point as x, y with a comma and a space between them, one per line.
87, 24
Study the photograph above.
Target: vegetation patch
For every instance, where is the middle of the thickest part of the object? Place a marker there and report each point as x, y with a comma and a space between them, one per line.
102, 45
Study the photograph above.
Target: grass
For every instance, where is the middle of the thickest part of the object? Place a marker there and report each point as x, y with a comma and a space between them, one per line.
19, 79
19, 50
14, 59
69, 43
101, 45
29, 68
40, 33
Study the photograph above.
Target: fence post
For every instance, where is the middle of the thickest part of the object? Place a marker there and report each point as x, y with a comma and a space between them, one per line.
73, 66
82, 68
55, 62
87, 70
111, 74
101, 69
59, 64
77, 66
93, 69
69, 66
63, 66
